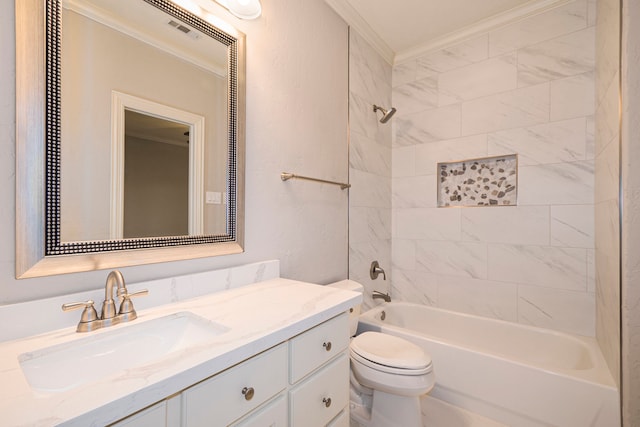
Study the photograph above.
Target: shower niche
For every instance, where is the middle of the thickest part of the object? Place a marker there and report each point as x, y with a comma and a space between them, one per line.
481, 182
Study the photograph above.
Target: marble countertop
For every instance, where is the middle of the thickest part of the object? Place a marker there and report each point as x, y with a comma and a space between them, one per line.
258, 316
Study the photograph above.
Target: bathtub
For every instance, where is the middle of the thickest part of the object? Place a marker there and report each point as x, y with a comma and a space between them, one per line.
518, 375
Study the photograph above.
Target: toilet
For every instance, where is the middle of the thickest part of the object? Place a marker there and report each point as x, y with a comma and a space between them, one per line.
388, 375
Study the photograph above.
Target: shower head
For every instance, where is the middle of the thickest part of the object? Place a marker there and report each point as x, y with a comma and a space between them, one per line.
386, 114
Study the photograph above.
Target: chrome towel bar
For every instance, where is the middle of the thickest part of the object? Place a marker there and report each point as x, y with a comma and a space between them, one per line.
285, 176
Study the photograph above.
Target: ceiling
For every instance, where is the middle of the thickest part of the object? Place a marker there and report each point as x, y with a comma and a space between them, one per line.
154, 27
407, 28
155, 129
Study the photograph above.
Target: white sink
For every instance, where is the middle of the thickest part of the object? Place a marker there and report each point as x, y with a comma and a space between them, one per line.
66, 366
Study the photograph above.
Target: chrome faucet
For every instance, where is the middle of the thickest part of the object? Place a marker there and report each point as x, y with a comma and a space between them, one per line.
89, 320
380, 295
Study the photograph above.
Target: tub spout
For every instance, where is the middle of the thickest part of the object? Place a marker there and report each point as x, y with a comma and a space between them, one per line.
378, 294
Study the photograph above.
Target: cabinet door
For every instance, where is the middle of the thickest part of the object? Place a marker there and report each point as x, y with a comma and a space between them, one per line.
342, 420
319, 398
237, 391
274, 414
155, 416
308, 351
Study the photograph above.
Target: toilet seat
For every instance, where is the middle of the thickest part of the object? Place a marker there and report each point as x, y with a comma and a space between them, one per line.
390, 354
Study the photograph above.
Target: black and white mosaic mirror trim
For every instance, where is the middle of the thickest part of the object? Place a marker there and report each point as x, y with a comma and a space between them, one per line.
53, 244
488, 181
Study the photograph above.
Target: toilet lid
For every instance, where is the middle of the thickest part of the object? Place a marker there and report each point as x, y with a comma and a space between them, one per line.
389, 350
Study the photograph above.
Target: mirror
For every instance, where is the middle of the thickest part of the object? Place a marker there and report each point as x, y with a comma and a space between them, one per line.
139, 157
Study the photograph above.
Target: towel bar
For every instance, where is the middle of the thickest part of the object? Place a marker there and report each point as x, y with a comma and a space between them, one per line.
285, 176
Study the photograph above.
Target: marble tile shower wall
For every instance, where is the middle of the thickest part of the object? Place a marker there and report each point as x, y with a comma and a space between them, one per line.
369, 166
607, 171
526, 88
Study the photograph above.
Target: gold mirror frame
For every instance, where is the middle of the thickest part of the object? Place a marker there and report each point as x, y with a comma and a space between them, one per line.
39, 251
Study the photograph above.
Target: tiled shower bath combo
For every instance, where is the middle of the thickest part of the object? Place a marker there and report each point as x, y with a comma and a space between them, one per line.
527, 89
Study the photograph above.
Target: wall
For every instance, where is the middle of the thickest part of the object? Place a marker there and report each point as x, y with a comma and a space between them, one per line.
369, 166
607, 168
631, 214
156, 188
297, 59
525, 88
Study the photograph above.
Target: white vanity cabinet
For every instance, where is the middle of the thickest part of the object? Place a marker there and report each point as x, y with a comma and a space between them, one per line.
224, 398
302, 382
319, 373
155, 415
342, 420
165, 413
273, 414
320, 398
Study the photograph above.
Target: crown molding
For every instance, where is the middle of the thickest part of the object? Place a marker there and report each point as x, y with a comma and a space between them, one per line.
354, 20
112, 21
516, 14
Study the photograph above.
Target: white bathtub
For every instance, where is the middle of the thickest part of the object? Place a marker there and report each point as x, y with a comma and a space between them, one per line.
518, 375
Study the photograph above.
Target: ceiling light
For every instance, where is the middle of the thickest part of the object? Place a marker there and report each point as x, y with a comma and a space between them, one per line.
243, 9
188, 5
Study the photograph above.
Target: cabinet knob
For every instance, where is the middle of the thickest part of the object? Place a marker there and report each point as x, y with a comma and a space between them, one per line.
326, 401
327, 345
248, 393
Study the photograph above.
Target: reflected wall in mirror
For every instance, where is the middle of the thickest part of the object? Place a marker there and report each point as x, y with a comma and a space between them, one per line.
153, 199
157, 170
121, 78
147, 55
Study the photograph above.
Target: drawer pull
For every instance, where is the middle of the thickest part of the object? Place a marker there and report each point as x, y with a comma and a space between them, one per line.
327, 345
248, 393
326, 401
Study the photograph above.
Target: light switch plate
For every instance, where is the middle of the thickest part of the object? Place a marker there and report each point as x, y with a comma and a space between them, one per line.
213, 197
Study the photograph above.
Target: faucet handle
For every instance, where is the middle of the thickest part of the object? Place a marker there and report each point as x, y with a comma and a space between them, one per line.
376, 270
126, 306
88, 316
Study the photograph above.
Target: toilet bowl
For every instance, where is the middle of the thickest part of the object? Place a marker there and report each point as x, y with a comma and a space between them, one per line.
388, 376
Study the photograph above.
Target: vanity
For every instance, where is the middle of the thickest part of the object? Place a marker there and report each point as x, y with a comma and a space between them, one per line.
268, 353
303, 381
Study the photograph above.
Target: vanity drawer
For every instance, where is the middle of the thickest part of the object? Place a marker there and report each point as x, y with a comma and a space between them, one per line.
231, 394
155, 415
311, 349
309, 402
342, 420
274, 414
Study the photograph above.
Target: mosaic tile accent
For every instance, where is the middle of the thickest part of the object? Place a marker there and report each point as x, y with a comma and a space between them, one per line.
489, 181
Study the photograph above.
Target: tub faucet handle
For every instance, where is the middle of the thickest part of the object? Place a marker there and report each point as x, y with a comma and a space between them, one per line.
376, 270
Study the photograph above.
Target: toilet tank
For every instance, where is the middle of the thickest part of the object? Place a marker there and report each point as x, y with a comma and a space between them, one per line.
354, 314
